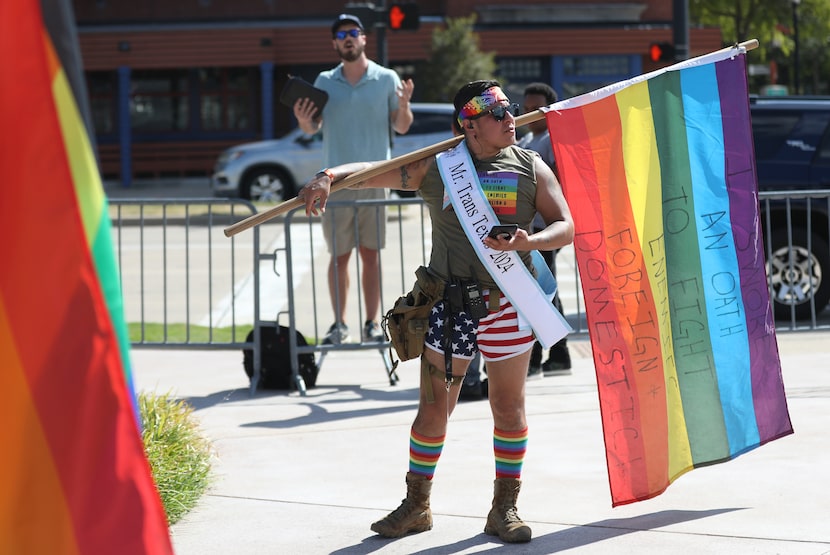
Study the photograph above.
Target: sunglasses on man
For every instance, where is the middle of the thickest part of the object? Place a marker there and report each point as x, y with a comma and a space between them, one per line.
500, 112
341, 35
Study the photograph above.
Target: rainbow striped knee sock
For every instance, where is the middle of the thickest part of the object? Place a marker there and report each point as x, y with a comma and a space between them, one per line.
424, 452
509, 449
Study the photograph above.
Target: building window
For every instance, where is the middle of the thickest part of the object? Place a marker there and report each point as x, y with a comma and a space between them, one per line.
225, 101
516, 73
581, 74
159, 101
525, 70
595, 66
101, 87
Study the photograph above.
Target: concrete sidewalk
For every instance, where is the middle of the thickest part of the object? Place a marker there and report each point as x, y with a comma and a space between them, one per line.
310, 474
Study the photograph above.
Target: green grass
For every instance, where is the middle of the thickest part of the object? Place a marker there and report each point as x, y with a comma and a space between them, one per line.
178, 333
179, 455
173, 210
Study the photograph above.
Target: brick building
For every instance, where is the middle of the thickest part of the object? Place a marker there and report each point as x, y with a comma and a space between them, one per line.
172, 83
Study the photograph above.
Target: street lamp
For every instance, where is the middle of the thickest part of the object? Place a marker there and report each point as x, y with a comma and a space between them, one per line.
797, 81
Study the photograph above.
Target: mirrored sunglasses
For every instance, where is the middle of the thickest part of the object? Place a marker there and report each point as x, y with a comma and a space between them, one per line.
341, 35
500, 111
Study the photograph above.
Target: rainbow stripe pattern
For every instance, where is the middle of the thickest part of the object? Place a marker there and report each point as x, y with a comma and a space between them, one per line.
509, 449
481, 103
659, 173
73, 476
424, 453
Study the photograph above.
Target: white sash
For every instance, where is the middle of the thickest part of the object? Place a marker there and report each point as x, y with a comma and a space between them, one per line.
476, 217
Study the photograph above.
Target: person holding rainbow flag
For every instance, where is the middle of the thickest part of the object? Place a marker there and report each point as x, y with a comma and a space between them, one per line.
483, 291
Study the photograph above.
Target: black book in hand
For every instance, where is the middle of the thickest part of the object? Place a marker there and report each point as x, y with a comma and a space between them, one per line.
297, 88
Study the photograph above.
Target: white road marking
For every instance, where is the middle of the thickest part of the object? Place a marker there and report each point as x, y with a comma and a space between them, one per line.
273, 296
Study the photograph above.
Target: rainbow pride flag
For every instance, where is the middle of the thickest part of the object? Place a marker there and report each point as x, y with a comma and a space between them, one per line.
73, 475
659, 173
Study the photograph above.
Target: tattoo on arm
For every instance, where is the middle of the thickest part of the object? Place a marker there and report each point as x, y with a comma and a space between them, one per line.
404, 178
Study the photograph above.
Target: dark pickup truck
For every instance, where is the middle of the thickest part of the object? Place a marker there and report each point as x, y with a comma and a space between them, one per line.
792, 153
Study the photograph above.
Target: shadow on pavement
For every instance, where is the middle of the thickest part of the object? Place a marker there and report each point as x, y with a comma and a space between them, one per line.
317, 402
569, 538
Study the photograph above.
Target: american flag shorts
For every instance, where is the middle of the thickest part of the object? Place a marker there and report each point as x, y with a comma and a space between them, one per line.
497, 335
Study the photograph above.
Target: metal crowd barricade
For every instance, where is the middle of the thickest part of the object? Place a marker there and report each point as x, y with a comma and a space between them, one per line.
409, 249
408, 244
309, 301
786, 218
181, 277
187, 286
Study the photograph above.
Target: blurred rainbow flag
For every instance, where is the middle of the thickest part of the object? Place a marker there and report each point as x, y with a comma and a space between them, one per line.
73, 476
659, 173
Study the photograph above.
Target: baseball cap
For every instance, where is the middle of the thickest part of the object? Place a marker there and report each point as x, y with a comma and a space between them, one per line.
344, 18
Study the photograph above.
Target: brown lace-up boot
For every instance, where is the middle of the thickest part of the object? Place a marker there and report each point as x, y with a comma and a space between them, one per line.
503, 521
414, 514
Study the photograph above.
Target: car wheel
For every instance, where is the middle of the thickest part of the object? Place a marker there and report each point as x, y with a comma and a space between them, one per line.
798, 275
266, 185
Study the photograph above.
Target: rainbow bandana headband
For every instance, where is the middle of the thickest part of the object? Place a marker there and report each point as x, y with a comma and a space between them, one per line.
481, 103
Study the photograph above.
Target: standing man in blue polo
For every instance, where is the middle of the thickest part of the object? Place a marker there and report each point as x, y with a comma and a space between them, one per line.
366, 103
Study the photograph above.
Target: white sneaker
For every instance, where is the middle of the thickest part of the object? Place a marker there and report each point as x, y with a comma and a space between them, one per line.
337, 334
372, 332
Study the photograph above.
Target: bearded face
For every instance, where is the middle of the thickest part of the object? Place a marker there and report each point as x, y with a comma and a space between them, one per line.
350, 49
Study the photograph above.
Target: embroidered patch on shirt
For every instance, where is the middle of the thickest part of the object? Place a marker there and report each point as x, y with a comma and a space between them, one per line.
501, 190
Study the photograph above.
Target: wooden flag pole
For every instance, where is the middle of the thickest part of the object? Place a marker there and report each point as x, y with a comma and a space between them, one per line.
387, 165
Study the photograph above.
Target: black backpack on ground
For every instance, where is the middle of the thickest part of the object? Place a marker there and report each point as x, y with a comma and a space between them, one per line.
275, 370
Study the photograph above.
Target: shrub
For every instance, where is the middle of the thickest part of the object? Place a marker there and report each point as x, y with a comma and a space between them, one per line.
179, 455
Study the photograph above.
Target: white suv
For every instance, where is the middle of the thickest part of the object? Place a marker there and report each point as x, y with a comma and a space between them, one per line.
273, 170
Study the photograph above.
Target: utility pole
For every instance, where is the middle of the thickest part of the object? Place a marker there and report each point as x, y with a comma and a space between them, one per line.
376, 18
680, 29
383, 55
373, 15
796, 61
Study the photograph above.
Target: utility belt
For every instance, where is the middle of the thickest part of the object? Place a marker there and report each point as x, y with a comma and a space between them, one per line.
407, 323
465, 296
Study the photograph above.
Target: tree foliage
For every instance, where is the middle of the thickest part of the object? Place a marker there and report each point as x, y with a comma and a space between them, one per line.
772, 22
739, 20
454, 60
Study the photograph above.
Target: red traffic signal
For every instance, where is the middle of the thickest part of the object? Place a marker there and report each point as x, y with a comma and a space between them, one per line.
404, 16
661, 52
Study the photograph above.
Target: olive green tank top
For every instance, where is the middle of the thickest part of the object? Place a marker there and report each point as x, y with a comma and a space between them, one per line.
509, 183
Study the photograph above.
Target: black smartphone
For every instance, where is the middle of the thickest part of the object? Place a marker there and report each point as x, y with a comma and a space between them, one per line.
504, 230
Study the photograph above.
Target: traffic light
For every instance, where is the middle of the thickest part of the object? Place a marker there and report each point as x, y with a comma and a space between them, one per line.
367, 13
404, 17
661, 52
